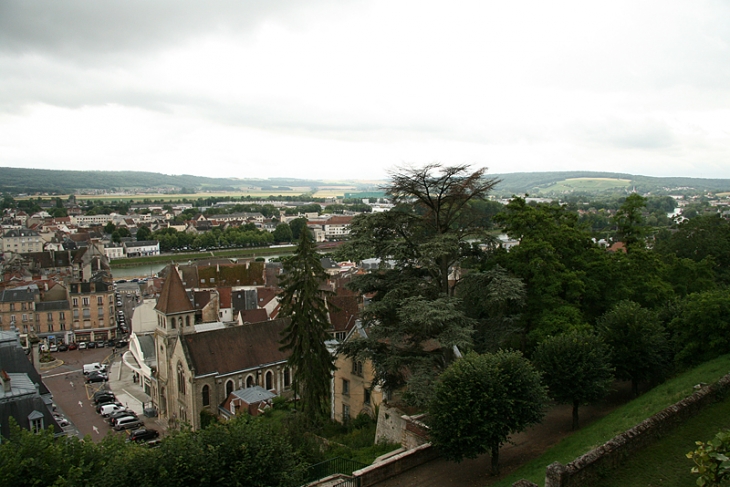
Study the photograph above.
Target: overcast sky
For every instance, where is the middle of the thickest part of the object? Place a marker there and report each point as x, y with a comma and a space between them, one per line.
334, 89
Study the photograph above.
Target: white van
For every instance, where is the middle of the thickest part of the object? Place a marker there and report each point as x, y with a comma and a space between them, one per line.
95, 367
108, 409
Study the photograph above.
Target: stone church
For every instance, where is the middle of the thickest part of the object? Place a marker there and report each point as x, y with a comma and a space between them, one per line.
197, 370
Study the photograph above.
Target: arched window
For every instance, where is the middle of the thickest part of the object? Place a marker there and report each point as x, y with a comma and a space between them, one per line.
187, 320
229, 388
173, 325
206, 395
249, 381
269, 380
180, 379
287, 378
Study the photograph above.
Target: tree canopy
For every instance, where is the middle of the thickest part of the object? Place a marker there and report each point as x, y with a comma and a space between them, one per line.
482, 399
303, 303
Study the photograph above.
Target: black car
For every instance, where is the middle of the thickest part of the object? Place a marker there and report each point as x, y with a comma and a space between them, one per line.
91, 345
143, 434
62, 347
110, 343
105, 399
96, 377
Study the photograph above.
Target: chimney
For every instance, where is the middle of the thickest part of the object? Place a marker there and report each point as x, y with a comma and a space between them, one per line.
5, 379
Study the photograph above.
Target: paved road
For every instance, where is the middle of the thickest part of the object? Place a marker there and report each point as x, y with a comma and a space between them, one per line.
73, 397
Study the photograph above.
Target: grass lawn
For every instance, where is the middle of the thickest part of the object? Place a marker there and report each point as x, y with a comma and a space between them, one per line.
622, 419
664, 463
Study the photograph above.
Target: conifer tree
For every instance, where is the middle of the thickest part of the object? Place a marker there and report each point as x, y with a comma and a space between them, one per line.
303, 302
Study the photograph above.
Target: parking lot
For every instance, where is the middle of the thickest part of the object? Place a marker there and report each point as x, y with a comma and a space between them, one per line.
74, 398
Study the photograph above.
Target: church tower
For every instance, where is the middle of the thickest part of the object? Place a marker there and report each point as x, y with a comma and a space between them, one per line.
175, 317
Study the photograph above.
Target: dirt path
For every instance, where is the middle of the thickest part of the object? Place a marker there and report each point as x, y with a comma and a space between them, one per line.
524, 447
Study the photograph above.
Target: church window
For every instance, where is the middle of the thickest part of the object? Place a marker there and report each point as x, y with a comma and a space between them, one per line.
269, 380
206, 395
287, 378
249, 381
229, 388
187, 321
180, 379
172, 323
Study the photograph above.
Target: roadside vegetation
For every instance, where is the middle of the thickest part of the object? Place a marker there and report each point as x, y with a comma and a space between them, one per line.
631, 414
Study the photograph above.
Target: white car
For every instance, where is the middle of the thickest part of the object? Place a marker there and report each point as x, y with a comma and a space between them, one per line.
108, 409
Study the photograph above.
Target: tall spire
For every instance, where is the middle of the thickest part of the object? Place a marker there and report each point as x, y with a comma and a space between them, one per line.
173, 298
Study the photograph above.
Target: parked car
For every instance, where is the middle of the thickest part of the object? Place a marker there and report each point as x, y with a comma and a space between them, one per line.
82, 346
91, 345
100, 344
102, 393
124, 425
107, 409
96, 377
53, 348
110, 343
63, 347
113, 417
143, 434
72, 346
125, 417
103, 400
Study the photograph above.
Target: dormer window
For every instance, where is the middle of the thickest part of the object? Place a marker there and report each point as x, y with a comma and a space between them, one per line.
35, 420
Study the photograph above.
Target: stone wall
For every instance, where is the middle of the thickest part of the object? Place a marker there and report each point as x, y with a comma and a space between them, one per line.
583, 470
396, 427
395, 465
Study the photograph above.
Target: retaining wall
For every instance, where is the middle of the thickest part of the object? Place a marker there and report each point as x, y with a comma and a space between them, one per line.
596, 463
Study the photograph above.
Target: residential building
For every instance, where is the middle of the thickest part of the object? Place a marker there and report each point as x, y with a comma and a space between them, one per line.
353, 391
22, 241
92, 311
142, 248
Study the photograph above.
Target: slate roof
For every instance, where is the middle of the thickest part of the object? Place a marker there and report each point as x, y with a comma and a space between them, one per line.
173, 298
22, 232
235, 349
13, 359
252, 395
23, 403
21, 294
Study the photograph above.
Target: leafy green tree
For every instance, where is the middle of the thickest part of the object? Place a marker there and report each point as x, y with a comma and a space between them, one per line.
109, 228
482, 399
630, 226
700, 326
303, 303
639, 344
494, 299
576, 368
143, 233
298, 226
283, 233
712, 461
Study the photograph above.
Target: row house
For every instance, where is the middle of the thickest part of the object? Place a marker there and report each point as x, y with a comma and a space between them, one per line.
22, 241
142, 248
17, 308
92, 311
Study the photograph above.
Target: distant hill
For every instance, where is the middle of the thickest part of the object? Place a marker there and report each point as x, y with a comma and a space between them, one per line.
598, 183
33, 181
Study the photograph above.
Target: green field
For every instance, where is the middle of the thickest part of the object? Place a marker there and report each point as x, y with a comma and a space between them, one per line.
626, 417
591, 185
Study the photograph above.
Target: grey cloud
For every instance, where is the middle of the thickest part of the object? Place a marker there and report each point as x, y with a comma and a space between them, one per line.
625, 134
83, 29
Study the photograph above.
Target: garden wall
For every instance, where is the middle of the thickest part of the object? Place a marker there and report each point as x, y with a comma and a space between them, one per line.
395, 465
596, 463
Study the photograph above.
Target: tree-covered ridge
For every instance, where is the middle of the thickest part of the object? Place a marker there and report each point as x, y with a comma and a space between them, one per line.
19, 180
31, 181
